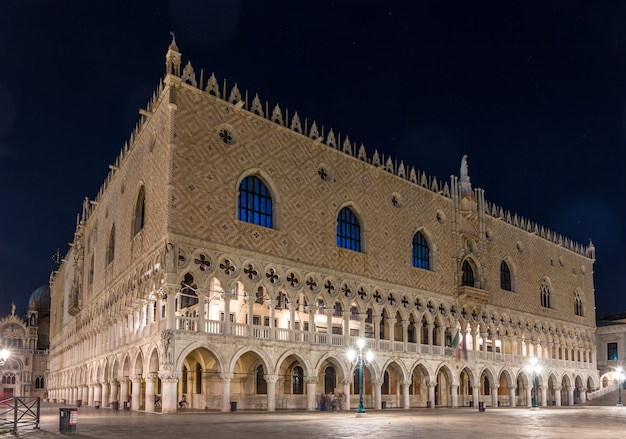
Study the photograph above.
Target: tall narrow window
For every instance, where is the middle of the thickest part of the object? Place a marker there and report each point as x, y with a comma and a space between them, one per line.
111, 246
184, 379
468, 274
297, 376
90, 273
348, 230
611, 349
255, 202
188, 295
421, 252
384, 389
545, 295
140, 211
261, 384
578, 304
198, 378
505, 276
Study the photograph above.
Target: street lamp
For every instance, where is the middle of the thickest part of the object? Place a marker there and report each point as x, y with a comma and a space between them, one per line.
620, 378
357, 355
535, 369
4, 356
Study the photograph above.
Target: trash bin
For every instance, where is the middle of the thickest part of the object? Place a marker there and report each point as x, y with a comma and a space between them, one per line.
96, 404
429, 404
126, 405
115, 405
471, 403
383, 405
233, 406
481, 406
79, 402
68, 418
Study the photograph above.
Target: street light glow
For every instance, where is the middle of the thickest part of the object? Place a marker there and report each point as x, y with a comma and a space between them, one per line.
360, 358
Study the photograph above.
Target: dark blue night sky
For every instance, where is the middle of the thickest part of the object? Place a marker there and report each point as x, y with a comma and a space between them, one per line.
533, 92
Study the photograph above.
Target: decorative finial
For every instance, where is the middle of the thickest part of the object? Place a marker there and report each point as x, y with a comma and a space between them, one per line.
173, 37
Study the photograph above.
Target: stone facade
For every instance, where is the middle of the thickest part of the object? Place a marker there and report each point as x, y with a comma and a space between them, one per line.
167, 290
24, 374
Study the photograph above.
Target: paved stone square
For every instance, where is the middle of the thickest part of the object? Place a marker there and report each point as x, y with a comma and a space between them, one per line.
495, 423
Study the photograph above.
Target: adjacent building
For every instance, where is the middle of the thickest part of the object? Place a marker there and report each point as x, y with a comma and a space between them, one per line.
236, 252
24, 373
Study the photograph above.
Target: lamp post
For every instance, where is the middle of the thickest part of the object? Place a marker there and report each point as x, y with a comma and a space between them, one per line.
534, 368
620, 378
4, 356
360, 359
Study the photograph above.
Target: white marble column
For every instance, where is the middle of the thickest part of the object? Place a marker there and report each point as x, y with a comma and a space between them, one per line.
494, 396
311, 393
105, 393
454, 389
136, 392
271, 391
225, 379
150, 393
476, 395
431, 393
97, 393
123, 390
169, 397
512, 402
557, 395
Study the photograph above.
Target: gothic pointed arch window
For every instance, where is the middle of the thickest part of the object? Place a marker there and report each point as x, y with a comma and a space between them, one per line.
188, 295
110, 255
297, 377
545, 295
505, 276
468, 274
578, 304
140, 211
261, 384
348, 230
255, 202
421, 252
384, 389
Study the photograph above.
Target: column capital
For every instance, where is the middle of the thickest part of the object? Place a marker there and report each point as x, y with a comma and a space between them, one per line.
169, 376
271, 378
226, 376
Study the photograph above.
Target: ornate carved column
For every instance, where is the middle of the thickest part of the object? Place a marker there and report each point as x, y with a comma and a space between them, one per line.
346, 327
512, 398
272, 309
405, 333
228, 297
124, 389
150, 393
201, 292
225, 379
557, 396
377, 319
494, 395
311, 393
329, 325
114, 385
292, 321
430, 328
345, 394
271, 391
376, 394
431, 393
311, 309
544, 396
170, 309
406, 402
90, 395
105, 393
391, 324
476, 394
362, 318
136, 392
97, 393
169, 398
454, 389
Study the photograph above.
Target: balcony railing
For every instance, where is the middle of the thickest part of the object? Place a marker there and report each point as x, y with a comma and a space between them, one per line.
321, 338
